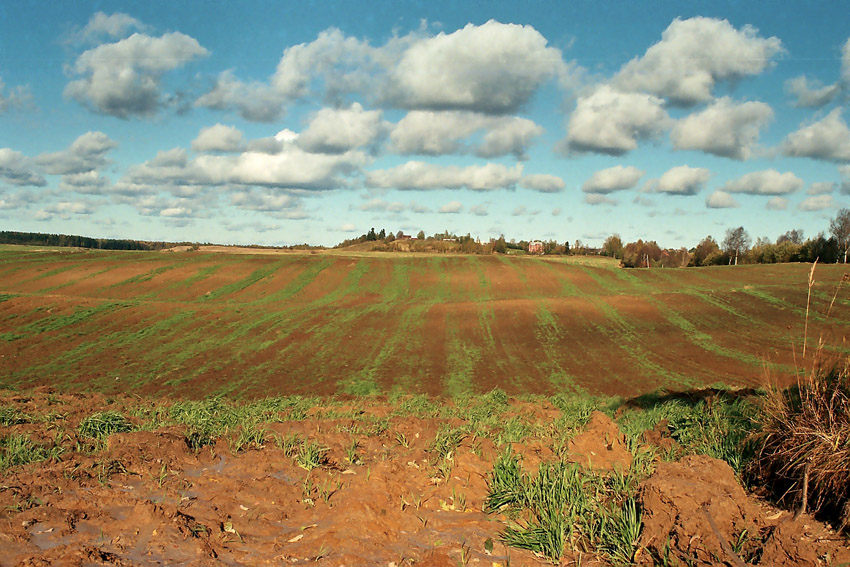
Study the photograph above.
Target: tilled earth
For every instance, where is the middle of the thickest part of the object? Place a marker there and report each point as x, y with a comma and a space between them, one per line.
146, 498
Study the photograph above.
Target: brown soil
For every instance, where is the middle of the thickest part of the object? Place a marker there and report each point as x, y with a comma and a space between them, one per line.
146, 499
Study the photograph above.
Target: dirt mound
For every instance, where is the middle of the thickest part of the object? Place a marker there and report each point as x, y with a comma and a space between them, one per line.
601, 446
695, 512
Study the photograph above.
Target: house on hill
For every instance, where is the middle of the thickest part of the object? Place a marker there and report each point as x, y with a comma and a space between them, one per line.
535, 247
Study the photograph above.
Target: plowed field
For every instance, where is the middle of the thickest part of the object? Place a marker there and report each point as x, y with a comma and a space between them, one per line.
197, 324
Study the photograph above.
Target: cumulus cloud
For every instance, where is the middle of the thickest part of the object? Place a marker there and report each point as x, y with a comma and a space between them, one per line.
452, 207
777, 204
598, 199
693, 55
443, 132
479, 210
336, 131
845, 62
543, 182
16, 169
419, 175
492, 68
101, 25
810, 95
86, 153
767, 182
17, 97
683, 180
219, 138
827, 139
291, 168
725, 128
337, 59
64, 210
382, 206
88, 183
255, 200
844, 171
611, 122
122, 79
720, 200
821, 188
617, 178
817, 203
348, 227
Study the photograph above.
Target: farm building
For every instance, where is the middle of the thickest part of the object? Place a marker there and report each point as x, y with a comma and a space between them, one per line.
535, 247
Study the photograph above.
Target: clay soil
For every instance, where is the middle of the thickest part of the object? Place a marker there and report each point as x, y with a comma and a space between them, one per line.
147, 499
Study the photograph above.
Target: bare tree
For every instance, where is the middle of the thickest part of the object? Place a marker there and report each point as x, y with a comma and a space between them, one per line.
737, 241
840, 229
792, 236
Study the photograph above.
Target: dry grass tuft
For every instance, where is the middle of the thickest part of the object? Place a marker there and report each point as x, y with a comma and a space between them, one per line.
802, 447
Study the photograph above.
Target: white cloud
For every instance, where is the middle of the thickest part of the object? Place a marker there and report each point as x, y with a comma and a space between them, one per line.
491, 68
254, 200
821, 188
101, 25
123, 78
291, 168
18, 97
693, 55
176, 212
598, 199
479, 210
86, 153
611, 122
817, 203
725, 128
844, 171
332, 56
442, 132
16, 169
89, 183
615, 178
219, 138
827, 139
452, 207
348, 227
720, 200
336, 131
845, 62
519, 211
683, 180
812, 95
777, 204
64, 210
419, 175
543, 182
767, 182
382, 206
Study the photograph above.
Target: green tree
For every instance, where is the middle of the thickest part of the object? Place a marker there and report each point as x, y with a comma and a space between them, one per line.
737, 242
613, 246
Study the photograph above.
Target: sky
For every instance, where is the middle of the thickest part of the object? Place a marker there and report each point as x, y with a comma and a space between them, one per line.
279, 123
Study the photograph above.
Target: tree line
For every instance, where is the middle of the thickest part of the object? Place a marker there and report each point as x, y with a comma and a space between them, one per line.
738, 247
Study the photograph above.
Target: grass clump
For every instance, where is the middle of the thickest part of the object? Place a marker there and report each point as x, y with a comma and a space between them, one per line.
101, 425
564, 503
12, 416
21, 450
802, 443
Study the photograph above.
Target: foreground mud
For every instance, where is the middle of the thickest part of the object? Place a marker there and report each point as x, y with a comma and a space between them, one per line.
382, 496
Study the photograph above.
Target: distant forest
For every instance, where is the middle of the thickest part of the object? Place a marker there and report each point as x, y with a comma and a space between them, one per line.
39, 239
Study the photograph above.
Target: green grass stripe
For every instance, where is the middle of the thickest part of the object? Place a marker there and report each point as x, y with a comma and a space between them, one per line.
7, 296
550, 336
625, 336
55, 323
301, 281
254, 277
461, 359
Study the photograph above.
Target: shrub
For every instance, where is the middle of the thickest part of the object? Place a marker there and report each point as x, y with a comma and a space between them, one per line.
803, 442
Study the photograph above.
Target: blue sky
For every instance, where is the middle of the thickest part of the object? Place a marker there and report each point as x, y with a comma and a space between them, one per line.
284, 122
